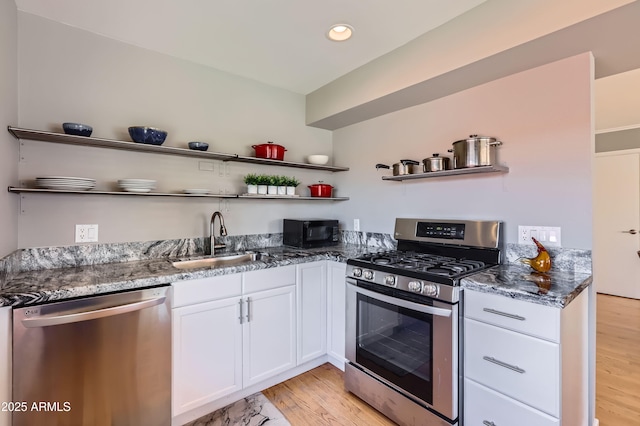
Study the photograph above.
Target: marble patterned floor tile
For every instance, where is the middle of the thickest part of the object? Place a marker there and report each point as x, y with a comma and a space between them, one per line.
254, 410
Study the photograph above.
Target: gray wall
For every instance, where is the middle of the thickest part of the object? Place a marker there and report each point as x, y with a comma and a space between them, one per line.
72, 75
8, 115
544, 118
542, 115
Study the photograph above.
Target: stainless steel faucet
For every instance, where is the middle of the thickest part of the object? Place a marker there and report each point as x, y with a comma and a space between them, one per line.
223, 232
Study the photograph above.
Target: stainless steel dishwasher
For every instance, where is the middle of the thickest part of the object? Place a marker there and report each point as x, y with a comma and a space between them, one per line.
103, 360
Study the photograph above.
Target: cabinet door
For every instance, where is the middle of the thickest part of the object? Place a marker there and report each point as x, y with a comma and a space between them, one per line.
311, 290
207, 353
269, 334
336, 272
5, 362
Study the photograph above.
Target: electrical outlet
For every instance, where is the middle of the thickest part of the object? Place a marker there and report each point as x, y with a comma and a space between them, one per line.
356, 224
547, 235
86, 233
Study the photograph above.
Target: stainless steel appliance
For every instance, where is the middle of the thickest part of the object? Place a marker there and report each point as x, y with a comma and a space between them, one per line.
310, 233
103, 360
403, 336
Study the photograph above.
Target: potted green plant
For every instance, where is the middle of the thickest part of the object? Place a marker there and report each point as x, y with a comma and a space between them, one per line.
263, 182
291, 185
272, 188
251, 180
282, 184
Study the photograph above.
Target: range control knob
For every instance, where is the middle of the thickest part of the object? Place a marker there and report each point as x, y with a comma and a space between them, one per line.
390, 280
415, 286
368, 275
357, 272
430, 289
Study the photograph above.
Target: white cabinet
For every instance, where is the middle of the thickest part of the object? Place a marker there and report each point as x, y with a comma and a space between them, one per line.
207, 353
230, 332
311, 290
5, 362
336, 287
206, 336
525, 363
269, 334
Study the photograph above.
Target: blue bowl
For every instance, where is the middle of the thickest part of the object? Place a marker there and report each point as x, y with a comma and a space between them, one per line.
198, 146
77, 129
148, 135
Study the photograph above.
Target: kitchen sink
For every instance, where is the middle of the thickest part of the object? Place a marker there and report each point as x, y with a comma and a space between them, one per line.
212, 262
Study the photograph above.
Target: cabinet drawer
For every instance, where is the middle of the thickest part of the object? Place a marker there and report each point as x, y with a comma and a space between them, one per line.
265, 279
524, 317
485, 407
519, 366
201, 290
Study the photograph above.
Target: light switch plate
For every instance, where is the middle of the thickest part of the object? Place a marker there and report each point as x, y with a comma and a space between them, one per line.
548, 236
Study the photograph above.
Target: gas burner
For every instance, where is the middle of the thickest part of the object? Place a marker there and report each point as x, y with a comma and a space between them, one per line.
381, 260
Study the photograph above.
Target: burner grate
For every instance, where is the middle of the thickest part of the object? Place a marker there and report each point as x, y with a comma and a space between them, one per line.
426, 263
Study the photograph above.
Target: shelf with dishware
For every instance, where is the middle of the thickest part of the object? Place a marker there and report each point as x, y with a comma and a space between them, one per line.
19, 190
63, 138
451, 172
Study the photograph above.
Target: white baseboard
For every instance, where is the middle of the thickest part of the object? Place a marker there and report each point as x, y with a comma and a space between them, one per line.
596, 422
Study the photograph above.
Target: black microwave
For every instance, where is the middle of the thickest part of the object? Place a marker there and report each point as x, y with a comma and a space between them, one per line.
309, 233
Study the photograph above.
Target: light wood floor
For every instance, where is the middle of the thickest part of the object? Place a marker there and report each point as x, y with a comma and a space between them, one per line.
318, 397
617, 361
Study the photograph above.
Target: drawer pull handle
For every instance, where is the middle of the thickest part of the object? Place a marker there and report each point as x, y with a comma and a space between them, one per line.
504, 364
504, 314
488, 423
240, 318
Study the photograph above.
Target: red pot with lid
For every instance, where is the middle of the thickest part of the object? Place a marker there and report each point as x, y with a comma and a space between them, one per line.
269, 150
321, 190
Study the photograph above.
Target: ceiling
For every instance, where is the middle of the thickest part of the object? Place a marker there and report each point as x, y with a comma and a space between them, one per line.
278, 42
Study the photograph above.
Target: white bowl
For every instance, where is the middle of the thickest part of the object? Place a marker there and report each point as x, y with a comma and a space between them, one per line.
318, 159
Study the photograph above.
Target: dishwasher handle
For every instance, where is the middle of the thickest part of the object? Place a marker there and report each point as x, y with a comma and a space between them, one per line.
45, 321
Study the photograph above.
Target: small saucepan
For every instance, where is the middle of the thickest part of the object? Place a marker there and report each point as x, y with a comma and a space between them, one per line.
404, 167
436, 163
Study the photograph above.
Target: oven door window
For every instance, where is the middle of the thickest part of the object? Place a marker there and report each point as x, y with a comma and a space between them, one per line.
396, 343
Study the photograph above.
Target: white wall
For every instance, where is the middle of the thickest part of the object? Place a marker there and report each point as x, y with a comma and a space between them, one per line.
72, 75
506, 27
8, 115
617, 101
544, 118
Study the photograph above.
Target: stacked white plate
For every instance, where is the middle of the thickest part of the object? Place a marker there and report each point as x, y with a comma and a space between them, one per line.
65, 183
137, 185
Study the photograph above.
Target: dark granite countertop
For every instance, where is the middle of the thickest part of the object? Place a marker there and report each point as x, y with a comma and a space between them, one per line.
556, 288
43, 282
54, 284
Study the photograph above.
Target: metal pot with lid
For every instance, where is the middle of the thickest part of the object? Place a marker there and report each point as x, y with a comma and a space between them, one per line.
436, 163
474, 151
404, 167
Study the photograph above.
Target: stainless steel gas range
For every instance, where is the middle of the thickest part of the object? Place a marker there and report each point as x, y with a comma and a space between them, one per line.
404, 307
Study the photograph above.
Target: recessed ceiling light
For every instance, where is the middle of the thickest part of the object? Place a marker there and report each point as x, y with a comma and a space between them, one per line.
340, 32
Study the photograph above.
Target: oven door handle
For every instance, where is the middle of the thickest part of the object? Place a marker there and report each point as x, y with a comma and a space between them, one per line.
440, 312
